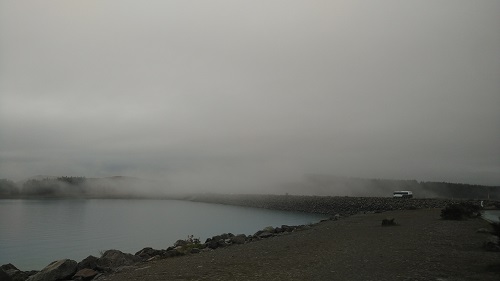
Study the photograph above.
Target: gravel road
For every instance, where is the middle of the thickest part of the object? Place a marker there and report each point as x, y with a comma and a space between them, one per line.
421, 247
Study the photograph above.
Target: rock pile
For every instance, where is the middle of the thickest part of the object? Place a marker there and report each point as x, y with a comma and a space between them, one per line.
91, 268
329, 205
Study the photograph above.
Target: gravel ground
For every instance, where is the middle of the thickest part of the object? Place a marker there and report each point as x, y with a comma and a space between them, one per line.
422, 247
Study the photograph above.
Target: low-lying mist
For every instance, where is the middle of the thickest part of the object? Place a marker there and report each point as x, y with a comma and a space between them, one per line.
311, 185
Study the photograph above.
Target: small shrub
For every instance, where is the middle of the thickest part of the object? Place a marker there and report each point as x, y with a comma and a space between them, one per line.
388, 222
269, 229
460, 211
190, 244
192, 240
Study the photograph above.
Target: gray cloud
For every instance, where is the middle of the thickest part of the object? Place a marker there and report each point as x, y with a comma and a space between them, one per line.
221, 94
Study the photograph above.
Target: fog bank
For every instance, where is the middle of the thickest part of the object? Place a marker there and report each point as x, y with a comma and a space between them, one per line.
234, 97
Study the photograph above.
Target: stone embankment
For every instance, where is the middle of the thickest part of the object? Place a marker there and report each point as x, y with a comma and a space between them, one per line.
327, 205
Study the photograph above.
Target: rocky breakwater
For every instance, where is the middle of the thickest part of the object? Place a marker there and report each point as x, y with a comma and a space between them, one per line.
67, 269
88, 269
329, 205
112, 261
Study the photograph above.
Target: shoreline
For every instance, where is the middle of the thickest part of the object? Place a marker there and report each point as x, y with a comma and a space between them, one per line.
279, 202
421, 247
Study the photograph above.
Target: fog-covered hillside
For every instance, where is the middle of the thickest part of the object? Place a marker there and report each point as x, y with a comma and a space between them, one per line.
313, 184
317, 184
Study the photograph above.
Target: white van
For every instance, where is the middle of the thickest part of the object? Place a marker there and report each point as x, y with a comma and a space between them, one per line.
402, 194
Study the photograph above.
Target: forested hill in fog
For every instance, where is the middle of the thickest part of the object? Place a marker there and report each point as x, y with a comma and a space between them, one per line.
48, 186
314, 184
327, 185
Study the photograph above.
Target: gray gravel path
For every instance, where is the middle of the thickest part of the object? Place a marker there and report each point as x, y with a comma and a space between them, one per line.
422, 247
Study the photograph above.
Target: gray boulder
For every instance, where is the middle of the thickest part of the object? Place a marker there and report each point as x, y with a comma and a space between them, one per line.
238, 239
17, 275
180, 243
14, 273
265, 234
173, 253
115, 259
85, 274
219, 241
88, 262
147, 253
8, 266
57, 270
4, 276
155, 258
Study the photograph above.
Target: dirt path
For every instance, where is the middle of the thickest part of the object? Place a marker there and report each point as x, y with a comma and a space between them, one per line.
422, 247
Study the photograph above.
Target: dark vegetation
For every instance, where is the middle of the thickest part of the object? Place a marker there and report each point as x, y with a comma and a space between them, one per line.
55, 187
460, 211
388, 222
69, 187
316, 184
8, 188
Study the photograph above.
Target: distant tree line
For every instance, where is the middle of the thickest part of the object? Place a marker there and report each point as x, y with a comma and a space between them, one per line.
328, 185
8, 188
316, 185
56, 187
460, 190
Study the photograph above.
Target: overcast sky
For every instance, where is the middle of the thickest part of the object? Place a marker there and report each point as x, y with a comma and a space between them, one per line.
248, 94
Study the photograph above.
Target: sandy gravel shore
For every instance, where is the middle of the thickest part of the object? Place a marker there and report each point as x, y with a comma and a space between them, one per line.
422, 247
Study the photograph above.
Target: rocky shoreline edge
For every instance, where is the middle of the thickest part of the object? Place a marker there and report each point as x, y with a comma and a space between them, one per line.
112, 261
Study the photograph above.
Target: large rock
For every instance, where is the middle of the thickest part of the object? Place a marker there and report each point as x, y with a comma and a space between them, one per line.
218, 241
17, 275
265, 234
85, 274
57, 270
4, 276
8, 266
180, 243
173, 253
148, 253
14, 273
238, 239
88, 262
115, 258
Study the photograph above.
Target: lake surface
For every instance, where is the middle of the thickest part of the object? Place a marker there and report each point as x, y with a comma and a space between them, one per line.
492, 215
33, 233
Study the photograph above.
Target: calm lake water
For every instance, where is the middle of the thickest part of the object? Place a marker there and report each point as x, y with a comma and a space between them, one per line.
34, 233
492, 215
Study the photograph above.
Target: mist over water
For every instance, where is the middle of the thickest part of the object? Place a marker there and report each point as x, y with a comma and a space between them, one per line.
231, 97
